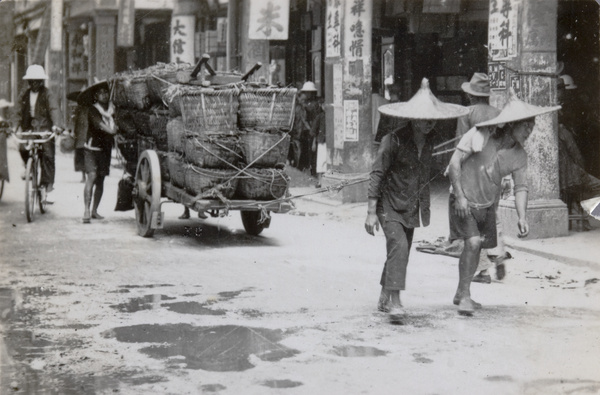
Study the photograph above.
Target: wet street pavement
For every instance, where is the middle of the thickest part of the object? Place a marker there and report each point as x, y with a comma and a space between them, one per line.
202, 307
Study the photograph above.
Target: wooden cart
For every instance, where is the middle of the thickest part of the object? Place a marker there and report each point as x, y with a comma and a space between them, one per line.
149, 191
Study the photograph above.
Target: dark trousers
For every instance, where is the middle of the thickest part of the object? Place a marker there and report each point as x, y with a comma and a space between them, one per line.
48, 166
398, 240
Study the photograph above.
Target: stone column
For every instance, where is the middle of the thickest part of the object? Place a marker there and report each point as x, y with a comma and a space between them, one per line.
348, 97
531, 72
105, 22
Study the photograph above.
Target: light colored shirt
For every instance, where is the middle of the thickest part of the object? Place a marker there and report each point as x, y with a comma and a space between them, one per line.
33, 96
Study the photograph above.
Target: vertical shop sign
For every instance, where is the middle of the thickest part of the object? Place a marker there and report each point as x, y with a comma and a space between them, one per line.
338, 126
515, 84
125, 23
503, 23
269, 19
354, 40
182, 38
56, 25
338, 92
497, 75
333, 28
350, 120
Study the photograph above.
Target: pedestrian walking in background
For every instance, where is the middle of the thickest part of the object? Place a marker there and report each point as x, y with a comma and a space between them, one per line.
298, 129
574, 180
98, 145
311, 110
484, 156
399, 186
37, 110
319, 148
80, 126
478, 93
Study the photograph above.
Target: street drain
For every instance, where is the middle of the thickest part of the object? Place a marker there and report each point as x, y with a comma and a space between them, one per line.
357, 351
219, 348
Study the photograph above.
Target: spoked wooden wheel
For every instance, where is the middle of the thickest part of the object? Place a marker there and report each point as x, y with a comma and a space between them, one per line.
146, 192
252, 224
30, 188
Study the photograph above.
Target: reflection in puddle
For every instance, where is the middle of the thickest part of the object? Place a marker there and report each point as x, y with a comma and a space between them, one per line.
147, 302
357, 351
220, 348
281, 383
192, 308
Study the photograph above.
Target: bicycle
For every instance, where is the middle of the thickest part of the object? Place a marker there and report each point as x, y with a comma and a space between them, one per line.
34, 192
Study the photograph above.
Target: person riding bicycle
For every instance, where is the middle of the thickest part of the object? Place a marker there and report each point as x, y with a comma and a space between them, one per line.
37, 111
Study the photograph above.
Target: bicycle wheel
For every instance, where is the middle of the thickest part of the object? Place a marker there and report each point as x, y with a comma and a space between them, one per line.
1, 188
30, 188
40, 193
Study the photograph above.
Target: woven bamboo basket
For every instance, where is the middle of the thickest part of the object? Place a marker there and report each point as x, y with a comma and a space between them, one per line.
158, 123
214, 152
158, 83
137, 93
142, 123
176, 135
176, 167
263, 149
119, 93
267, 108
125, 122
208, 109
209, 181
263, 184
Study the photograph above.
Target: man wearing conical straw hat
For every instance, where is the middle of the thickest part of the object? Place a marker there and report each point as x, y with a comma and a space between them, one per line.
485, 154
399, 186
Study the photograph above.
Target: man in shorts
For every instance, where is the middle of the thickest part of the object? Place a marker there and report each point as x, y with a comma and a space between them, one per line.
485, 154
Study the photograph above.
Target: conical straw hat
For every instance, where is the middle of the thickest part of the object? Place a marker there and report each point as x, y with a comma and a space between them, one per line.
424, 105
517, 110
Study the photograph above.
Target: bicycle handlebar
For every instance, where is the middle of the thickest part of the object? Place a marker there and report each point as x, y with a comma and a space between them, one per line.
48, 136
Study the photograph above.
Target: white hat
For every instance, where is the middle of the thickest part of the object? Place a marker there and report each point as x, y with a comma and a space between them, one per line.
478, 86
568, 81
424, 105
517, 110
35, 72
308, 86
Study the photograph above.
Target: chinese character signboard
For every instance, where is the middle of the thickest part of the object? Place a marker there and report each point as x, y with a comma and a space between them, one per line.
503, 23
125, 23
269, 19
333, 28
350, 120
497, 75
354, 35
515, 84
182, 38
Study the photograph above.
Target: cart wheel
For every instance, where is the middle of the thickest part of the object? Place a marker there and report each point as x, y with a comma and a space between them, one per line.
30, 189
146, 191
251, 225
1, 188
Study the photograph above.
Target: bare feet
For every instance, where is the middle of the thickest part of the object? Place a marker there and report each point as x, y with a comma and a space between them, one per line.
383, 304
466, 307
457, 299
186, 214
97, 216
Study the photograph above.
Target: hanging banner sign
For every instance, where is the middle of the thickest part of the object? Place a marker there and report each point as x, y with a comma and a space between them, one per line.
356, 17
126, 23
502, 33
182, 39
497, 75
350, 120
269, 19
333, 28
56, 25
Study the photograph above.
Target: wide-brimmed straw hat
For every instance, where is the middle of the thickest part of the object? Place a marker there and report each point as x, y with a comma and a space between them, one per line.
87, 95
478, 86
424, 105
517, 110
73, 95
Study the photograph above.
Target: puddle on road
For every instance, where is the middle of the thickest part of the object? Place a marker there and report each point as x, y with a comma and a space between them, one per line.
357, 351
219, 349
146, 302
192, 308
281, 383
